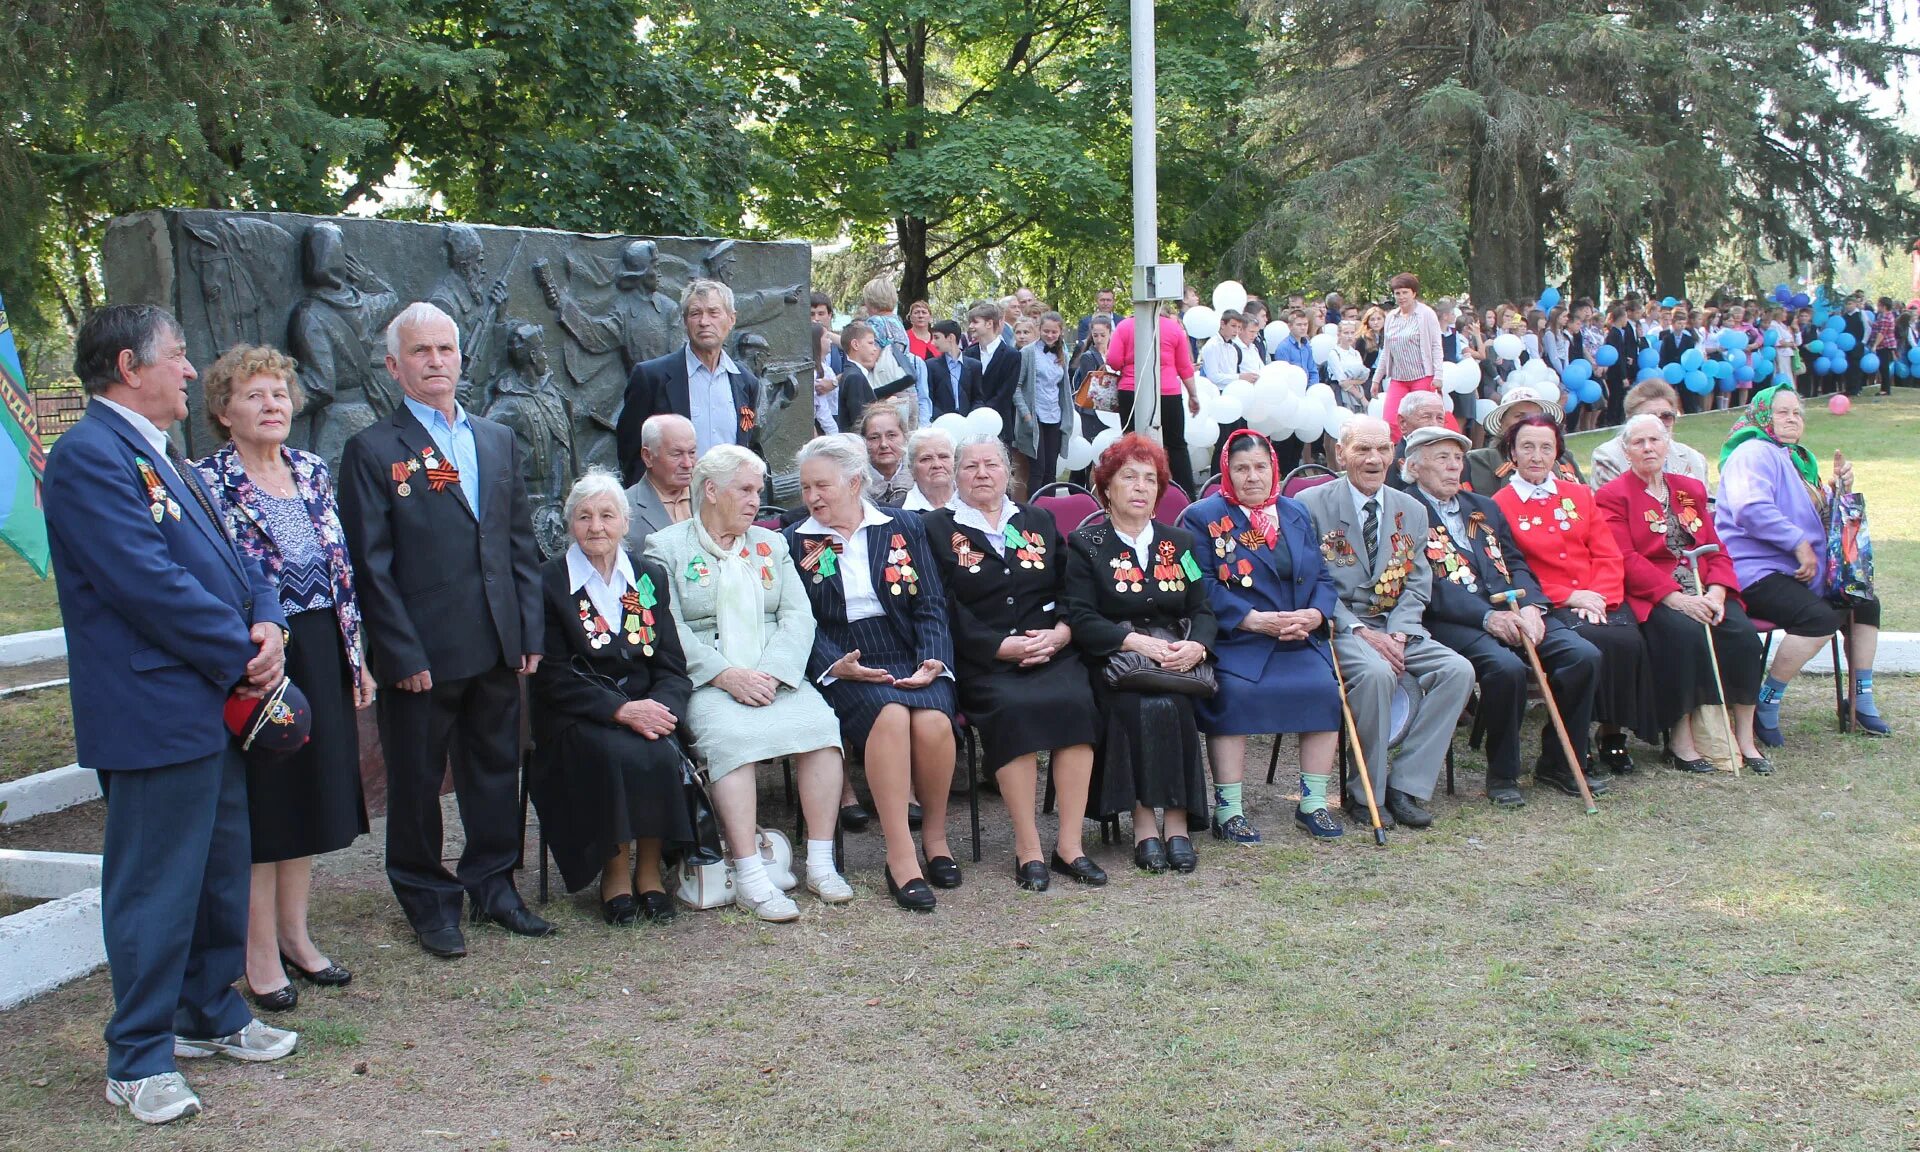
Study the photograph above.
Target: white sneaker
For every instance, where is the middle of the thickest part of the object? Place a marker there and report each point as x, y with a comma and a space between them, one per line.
158, 1099
831, 887
777, 908
256, 1043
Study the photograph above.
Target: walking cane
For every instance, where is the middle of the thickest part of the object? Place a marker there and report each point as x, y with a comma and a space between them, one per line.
1511, 598
1353, 736
1692, 558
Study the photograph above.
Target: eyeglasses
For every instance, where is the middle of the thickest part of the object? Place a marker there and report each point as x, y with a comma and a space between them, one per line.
1664, 417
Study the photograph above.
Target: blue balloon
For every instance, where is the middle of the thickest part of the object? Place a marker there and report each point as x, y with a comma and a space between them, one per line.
1762, 370
1729, 384
1606, 356
1668, 302
1869, 363
1549, 299
1800, 300
1673, 373
1698, 384
1900, 369
1577, 371
1815, 347
1647, 374
1733, 340
1833, 323
1589, 392
1845, 341
1692, 358
1913, 354
1769, 338
1743, 374
1649, 358
1822, 366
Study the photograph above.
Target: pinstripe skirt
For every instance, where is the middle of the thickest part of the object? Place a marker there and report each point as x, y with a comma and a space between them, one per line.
858, 704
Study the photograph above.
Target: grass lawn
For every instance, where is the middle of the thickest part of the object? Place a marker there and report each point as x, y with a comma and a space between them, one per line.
36, 733
1882, 438
27, 603
1706, 965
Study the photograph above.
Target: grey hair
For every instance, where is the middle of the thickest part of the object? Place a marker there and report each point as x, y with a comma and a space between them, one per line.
923, 436
845, 451
117, 328
976, 440
1626, 430
1412, 401
719, 466
594, 482
413, 316
699, 288
656, 427
1355, 425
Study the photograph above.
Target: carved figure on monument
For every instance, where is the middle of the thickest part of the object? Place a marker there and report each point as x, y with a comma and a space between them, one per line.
337, 331
243, 265
751, 308
462, 293
638, 324
525, 398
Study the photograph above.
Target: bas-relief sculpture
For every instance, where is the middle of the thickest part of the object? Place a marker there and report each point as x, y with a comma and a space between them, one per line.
324, 288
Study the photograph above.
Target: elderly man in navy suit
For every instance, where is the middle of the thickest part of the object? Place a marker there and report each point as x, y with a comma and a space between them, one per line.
164, 620
700, 382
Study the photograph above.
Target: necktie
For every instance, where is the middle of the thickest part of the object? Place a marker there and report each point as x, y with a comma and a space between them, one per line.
191, 479
1370, 531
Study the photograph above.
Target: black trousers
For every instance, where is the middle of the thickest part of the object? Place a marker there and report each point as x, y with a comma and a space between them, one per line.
1573, 666
1173, 433
1041, 470
477, 721
1782, 600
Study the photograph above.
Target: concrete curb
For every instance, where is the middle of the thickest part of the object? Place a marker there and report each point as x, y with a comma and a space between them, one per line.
1899, 655
47, 875
50, 944
45, 792
33, 647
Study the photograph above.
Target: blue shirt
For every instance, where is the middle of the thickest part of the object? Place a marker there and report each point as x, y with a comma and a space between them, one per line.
455, 442
710, 402
1292, 351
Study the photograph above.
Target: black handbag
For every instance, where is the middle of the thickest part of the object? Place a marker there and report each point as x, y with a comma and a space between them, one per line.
1134, 672
705, 848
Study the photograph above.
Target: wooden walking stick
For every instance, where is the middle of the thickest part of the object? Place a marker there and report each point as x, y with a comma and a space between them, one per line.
1353, 736
1511, 598
1692, 558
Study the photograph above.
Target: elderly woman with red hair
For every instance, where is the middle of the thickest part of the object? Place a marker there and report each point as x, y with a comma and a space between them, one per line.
1134, 585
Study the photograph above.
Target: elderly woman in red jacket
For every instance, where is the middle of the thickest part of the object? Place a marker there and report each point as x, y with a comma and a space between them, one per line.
1573, 553
1657, 516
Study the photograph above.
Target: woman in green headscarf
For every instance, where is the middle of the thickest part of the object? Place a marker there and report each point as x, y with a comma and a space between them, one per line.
1772, 514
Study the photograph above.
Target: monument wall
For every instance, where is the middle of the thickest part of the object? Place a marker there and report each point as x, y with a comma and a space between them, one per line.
550, 322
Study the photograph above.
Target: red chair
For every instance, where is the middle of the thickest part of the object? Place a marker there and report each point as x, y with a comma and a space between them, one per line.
1304, 477
1068, 512
1173, 502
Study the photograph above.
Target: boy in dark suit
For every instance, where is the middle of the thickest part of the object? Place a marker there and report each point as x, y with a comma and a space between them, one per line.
999, 364
953, 380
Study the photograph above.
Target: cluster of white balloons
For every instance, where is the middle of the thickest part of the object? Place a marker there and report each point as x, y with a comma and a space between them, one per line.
979, 422
1277, 404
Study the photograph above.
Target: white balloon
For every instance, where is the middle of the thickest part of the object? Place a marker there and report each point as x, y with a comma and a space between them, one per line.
1275, 332
1482, 409
1321, 396
1462, 376
1377, 407
1205, 394
1324, 343
1104, 441
1229, 296
1110, 419
1292, 377
1336, 422
1202, 322
1507, 346
1201, 432
1309, 433
954, 424
1225, 409
985, 421
1079, 454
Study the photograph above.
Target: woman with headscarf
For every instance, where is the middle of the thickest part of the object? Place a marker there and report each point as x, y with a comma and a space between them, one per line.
1773, 511
1271, 593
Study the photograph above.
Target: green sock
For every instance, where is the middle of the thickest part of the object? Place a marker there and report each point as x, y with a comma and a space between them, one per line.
1226, 802
1313, 793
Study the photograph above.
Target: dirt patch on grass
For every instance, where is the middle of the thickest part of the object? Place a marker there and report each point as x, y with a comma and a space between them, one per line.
36, 733
81, 828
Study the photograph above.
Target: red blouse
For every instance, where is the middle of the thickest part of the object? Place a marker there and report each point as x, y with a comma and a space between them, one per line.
1640, 528
1567, 542
921, 348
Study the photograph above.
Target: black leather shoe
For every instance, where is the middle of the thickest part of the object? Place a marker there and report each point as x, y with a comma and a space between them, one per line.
1355, 807
278, 1000
1758, 765
518, 920
1150, 855
332, 976
854, 818
943, 871
1699, 765
657, 907
913, 816
621, 910
1505, 794
1406, 810
1180, 854
446, 943
1031, 875
916, 896
1081, 869
1551, 775
1615, 758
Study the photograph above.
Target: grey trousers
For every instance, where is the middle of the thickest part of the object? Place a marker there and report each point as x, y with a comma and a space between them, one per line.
1446, 680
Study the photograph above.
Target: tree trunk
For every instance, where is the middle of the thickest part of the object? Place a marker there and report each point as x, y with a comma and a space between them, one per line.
1584, 261
1503, 241
912, 230
1671, 256
912, 233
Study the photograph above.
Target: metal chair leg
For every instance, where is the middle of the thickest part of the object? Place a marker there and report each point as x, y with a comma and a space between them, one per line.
1449, 769
973, 788
1841, 708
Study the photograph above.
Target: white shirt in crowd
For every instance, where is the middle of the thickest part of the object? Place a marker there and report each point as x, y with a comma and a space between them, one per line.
604, 594
1222, 361
710, 401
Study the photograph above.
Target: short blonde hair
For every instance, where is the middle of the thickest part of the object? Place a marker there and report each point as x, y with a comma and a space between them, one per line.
879, 295
236, 366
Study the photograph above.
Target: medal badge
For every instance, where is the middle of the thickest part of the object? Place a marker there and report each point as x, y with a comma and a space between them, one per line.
402, 472
761, 551
1237, 572
637, 607
1223, 539
821, 558
965, 554
440, 473
697, 570
1447, 561
1477, 527
1166, 567
1655, 522
1127, 576
746, 419
1335, 549
1030, 548
160, 502
1252, 539
599, 634
1566, 514
899, 572
1688, 516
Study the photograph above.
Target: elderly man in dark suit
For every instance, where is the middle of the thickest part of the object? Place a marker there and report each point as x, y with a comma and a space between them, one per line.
164, 619
700, 382
664, 493
438, 525
1474, 558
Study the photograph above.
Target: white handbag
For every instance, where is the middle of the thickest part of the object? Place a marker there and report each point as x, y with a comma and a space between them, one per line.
711, 885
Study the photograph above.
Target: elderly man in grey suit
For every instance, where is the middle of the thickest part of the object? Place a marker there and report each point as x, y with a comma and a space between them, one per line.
668, 449
1374, 541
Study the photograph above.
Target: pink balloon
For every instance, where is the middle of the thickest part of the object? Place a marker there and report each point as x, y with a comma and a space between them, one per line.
1838, 404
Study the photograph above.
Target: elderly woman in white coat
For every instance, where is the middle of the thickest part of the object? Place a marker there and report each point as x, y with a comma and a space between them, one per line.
747, 629
1043, 402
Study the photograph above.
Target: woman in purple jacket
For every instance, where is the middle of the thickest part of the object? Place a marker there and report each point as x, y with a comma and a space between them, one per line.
1772, 514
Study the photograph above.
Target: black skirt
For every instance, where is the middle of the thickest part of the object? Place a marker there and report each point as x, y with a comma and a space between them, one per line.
1683, 675
858, 703
1024, 710
1148, 754
620, 786
310, 803
1623, 693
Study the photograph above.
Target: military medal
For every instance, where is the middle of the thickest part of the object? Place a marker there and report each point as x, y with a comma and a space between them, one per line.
599, 635
1222, 532
440, 473
637, 606
401, 472
820, 558
746, 419
899, 572
697, 570
1126, 576
964, 553
1335, 549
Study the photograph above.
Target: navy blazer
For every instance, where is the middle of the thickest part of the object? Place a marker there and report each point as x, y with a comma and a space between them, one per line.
157, 607
919, 619
1466, 573
940, 386
659, 386
1216, 524
998, 381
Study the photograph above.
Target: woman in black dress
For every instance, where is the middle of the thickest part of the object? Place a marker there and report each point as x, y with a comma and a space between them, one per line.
608, 698
278, 505
1020, 684
1126, 577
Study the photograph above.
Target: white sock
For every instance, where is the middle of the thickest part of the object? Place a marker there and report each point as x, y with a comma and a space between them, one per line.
750, 878
820, 859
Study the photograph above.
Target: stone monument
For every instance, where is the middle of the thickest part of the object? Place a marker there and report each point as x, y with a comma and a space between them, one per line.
323, 288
